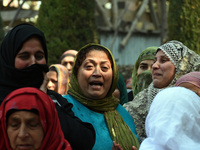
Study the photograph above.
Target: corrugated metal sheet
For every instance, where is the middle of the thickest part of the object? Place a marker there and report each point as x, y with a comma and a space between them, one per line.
128, 55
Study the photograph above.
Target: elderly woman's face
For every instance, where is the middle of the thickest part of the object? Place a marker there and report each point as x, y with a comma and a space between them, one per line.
163, 70
31, 53
95, 74
25, 131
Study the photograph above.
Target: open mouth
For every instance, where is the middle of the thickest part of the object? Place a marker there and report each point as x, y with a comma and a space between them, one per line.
96, 83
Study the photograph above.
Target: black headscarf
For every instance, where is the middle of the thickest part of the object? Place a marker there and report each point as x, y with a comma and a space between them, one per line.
10, 77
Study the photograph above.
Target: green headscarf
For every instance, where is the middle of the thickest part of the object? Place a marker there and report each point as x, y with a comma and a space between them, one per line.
147, 54
119, 130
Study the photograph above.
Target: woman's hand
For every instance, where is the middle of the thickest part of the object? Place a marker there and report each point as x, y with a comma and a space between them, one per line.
118, 147
43, 87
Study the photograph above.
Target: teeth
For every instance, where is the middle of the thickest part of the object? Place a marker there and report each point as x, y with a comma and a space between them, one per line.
96, 84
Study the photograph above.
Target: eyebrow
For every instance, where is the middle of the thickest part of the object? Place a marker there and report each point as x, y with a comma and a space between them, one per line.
102, 62
25, 52
143, 63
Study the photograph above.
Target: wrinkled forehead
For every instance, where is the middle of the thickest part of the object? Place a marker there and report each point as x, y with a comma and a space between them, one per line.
82, 56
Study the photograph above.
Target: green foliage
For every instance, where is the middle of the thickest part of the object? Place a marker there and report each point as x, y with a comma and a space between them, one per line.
184, 22
66, 25
2, 33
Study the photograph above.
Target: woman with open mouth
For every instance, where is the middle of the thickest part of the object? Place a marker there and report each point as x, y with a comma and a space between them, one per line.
93, 80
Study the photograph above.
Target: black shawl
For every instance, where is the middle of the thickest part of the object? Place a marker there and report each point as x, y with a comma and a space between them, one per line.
10, 77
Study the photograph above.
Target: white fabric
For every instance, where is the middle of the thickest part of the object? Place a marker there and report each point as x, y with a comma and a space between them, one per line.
173, 122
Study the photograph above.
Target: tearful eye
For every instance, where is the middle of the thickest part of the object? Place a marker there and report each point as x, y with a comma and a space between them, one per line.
164, 60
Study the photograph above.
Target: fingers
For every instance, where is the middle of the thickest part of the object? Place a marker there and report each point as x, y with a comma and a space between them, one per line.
134, 148
116, 146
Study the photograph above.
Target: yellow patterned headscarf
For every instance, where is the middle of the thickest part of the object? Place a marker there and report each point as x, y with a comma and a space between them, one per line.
63, 78
119, 130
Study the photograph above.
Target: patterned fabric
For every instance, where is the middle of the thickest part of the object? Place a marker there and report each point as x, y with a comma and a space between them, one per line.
119, 130
147, 54
40, 101
63, 78
185, 61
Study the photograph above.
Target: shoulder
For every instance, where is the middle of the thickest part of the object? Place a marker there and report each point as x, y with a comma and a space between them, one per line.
175, 96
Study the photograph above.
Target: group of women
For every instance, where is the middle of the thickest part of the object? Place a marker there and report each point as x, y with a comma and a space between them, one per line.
86, 114
23, 63
172, 60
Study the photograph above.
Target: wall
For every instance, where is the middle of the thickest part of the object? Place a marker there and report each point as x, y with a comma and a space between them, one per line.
126, 56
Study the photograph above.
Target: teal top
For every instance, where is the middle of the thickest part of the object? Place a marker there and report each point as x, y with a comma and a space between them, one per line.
103, 138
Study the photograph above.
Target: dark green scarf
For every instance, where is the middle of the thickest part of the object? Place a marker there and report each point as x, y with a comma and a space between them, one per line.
148, 54
119, 130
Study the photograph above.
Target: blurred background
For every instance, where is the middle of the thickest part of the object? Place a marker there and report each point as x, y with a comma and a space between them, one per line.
126, 27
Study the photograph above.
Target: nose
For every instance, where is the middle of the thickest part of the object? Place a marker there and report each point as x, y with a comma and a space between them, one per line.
49, 84
155, 65
97, 72
23, 132
32, 60
69, 66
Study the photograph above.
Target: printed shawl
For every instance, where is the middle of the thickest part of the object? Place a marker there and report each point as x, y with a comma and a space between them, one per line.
63, 78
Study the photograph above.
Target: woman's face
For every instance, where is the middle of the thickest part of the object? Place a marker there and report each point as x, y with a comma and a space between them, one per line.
95, 74
24, 131
31, 53
163, 70
52, 81
145, 65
